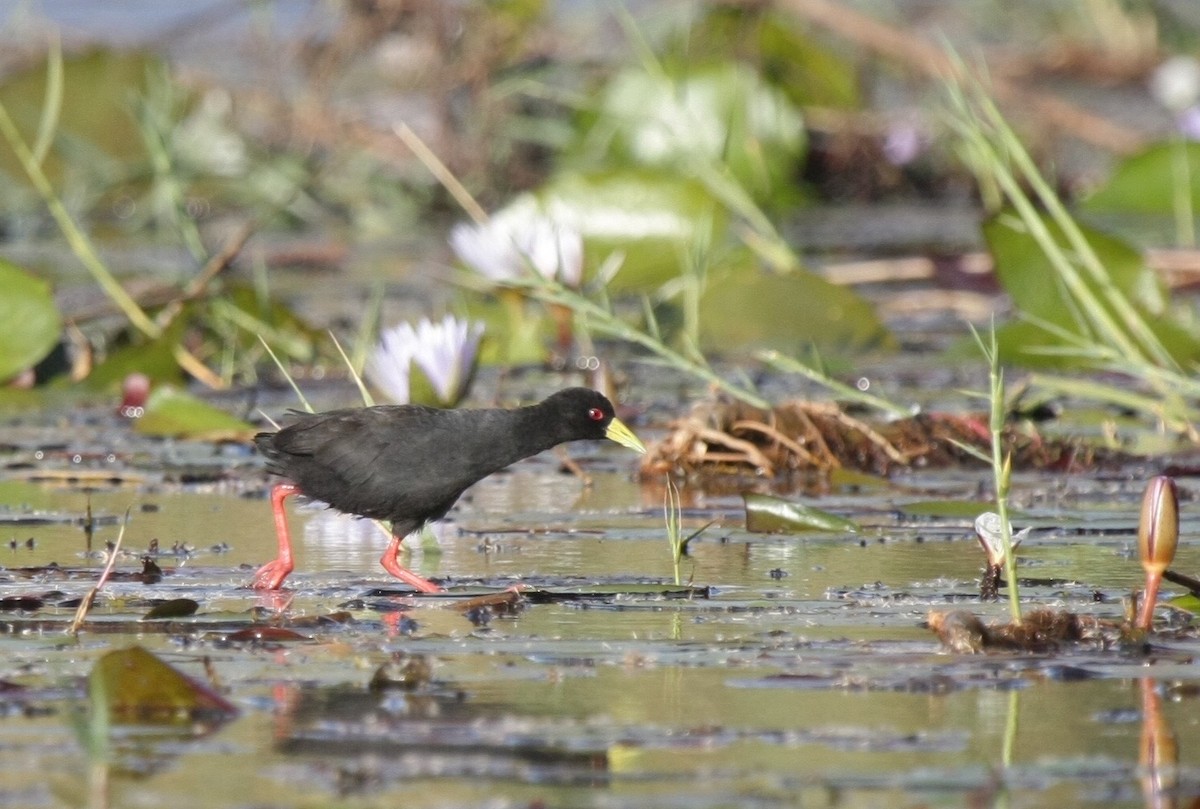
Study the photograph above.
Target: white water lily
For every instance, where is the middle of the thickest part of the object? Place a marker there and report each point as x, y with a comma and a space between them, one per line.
518, 237
444, 351
988, 532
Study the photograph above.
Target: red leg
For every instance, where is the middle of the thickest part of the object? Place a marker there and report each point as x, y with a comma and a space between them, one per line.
271, 575
392, 565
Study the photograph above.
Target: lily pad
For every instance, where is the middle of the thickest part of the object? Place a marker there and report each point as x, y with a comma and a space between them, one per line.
649, 216
1189, 602
791, 313
174, 608
718, 115
172, 412
946, 509
138, 687
95, 121
31, 321
773, 515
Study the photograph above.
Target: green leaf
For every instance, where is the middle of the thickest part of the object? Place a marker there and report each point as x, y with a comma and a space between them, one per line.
516, 330
1188, 602
787, 54
719, 114
31, 323
95, 124
652, 217
172, 412
945, 509
792, 313
1145, 182
172, 608
1039, 292
135, 686
154, 358
770, 515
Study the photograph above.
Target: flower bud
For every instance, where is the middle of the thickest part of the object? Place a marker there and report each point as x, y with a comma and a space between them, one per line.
1158, 528
1158, 536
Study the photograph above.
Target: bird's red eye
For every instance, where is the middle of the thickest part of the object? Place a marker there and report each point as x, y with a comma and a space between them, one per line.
596, 414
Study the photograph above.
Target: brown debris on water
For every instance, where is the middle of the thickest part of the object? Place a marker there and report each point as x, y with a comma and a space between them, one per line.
1042, 630
733, 438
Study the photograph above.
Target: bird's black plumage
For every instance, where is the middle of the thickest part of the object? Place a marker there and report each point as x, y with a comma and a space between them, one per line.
408, 464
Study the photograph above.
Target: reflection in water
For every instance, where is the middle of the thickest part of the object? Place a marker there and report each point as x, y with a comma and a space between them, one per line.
333, 539
381, 735
1158, 752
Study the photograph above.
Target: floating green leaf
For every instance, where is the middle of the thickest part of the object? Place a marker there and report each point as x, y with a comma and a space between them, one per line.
138, 687
95, 121
31, 321
173, 608
771, 515
650, 216
1189, 602
172, 412
791, 313
945, 509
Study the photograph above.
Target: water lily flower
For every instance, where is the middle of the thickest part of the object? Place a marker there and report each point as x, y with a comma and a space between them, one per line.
1158, 536
519, 237
988, 532
444, 352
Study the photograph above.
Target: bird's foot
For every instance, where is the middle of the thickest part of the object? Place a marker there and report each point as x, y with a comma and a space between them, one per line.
272, 575
413, 580
392, 565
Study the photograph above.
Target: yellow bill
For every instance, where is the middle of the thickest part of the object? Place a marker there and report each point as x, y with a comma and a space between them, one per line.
617, 431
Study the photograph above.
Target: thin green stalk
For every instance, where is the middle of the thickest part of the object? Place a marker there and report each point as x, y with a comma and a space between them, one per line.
368, 328
283, 370
77, 240
1004, 160
673, 513
368, 400
155, 136
1001, 465
602, 319
849, 392
51, 102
